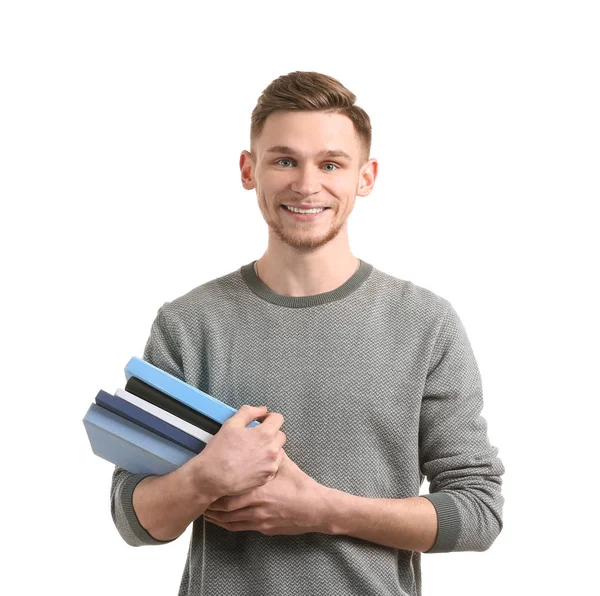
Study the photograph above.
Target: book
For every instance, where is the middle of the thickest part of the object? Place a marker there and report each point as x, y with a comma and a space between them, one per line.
179, 390
129, 411
168, 404
186, 427
130, 446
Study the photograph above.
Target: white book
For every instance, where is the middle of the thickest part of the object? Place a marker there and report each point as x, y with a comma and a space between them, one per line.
183, 425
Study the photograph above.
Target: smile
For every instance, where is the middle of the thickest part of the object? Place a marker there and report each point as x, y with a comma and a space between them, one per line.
296, 210
305, 215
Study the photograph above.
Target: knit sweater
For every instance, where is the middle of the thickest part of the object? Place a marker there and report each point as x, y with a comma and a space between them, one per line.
379, 388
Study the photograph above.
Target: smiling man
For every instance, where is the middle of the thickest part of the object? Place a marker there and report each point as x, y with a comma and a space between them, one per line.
307, 168
373, 375
308, 205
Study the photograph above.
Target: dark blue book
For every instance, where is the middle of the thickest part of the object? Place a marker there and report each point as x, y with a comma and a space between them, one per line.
149, 421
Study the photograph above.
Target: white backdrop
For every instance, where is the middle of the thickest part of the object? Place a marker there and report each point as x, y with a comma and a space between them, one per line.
121, 125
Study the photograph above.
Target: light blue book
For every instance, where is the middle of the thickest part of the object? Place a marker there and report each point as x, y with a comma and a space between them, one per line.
130, 446
182, 392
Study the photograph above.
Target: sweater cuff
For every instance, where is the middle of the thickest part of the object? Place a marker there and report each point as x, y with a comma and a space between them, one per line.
448, 522
132, 520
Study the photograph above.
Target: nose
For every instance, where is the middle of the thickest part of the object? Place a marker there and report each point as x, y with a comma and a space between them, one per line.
306, 181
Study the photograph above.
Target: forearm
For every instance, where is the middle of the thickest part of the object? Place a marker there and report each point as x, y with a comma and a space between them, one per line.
407, 524
166, 505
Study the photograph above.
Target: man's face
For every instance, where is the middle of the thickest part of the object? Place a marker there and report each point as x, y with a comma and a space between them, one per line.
294, 171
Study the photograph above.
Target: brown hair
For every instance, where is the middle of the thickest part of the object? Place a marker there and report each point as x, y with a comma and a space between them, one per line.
311, 91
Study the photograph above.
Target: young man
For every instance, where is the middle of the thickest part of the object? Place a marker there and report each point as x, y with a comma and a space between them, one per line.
374, 375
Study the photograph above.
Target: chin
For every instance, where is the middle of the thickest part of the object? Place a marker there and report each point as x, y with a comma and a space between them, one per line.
307, 243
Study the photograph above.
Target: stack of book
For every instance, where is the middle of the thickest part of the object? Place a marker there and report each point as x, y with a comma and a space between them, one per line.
155, 424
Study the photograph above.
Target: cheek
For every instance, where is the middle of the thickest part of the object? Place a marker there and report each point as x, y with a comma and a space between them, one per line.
274, 180
349, 203
344, 189
271, 189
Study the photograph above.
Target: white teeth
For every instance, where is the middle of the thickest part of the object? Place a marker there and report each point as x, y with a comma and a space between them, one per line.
295, 210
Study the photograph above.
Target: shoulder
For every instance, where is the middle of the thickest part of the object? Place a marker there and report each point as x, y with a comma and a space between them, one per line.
212, 298
407, 297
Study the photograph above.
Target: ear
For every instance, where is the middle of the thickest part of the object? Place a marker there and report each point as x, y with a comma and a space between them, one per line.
247, 170
366, 180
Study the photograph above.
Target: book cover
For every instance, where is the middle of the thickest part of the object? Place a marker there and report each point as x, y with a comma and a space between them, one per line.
174, 387
171, 405
130, 446
186, 427
142, 418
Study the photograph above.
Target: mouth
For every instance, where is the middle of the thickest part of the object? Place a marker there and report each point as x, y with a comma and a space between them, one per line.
310, 214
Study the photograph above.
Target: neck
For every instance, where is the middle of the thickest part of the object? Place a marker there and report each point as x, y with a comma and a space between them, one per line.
289, 272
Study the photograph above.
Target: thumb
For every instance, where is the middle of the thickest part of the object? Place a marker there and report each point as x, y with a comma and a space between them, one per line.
246, 414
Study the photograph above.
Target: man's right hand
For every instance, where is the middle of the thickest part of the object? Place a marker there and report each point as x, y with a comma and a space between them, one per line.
238, 459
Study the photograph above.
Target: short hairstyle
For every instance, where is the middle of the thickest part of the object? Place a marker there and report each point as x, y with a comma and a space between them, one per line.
311, 91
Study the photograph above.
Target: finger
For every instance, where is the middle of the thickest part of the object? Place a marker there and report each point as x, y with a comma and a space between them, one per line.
280, 439
247, 514
245, 415
219, 505
215, 522
236, 526
271, 424
230, 503
279, 460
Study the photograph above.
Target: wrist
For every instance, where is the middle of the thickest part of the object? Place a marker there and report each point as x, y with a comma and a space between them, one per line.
330, 514
194, 481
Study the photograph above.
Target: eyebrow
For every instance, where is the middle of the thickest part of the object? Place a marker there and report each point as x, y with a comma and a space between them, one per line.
324, 153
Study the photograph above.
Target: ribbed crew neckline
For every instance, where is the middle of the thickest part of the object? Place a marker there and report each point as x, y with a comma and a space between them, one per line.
264, 292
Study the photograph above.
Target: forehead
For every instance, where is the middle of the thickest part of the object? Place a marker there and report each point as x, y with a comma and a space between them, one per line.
309, 133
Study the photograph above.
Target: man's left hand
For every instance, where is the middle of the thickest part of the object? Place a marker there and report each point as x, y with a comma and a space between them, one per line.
291, 503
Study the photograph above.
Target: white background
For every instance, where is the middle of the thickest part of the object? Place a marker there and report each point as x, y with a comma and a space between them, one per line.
121, 125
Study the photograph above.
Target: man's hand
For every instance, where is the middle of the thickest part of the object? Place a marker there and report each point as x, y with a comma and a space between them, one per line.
291, 503
238, 459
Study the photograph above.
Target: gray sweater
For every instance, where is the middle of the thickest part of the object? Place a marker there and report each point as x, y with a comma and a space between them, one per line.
379, 388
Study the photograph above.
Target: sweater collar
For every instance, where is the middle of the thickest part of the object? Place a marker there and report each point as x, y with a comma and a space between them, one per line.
264, 292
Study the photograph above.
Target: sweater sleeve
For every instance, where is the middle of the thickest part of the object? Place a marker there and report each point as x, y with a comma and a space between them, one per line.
461, 466
161, 351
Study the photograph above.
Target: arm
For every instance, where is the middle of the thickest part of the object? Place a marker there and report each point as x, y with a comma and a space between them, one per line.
464, 509
408, 524
139, 503
166, 505
150, 509
461, 466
